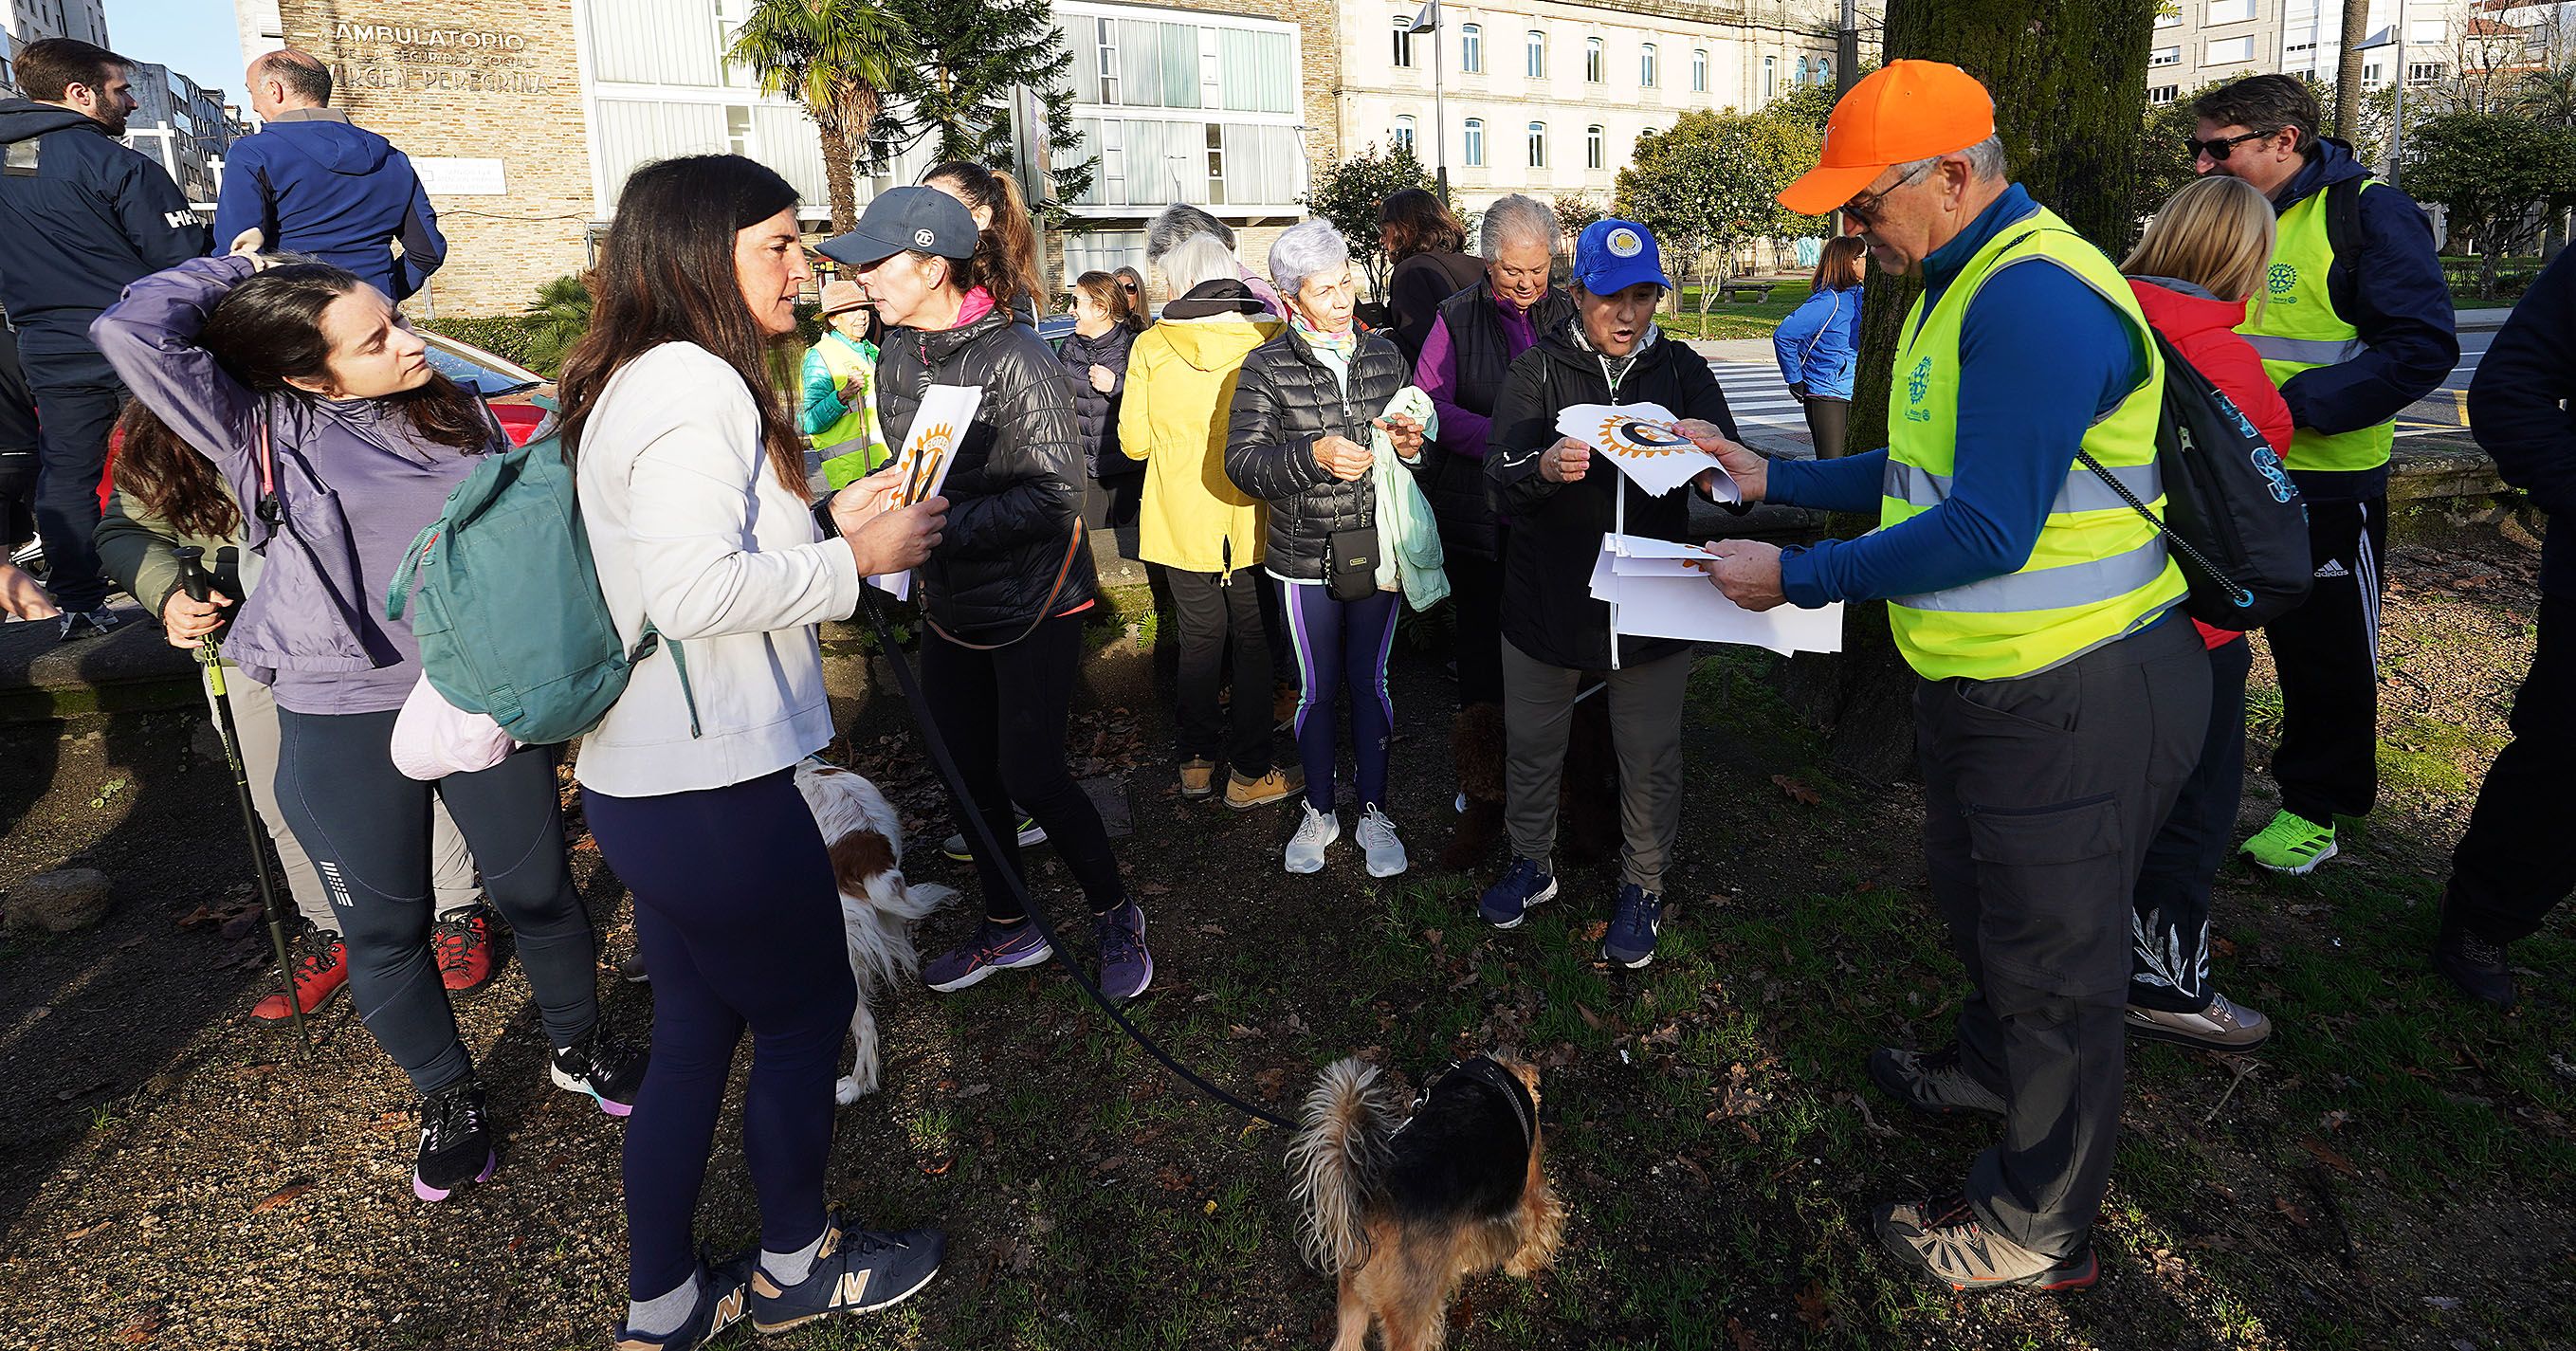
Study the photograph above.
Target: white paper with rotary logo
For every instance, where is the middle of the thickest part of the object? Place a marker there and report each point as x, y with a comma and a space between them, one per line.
922, 465
1639, 441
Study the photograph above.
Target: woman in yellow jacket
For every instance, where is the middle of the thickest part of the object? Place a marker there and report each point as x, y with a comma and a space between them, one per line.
1203, 531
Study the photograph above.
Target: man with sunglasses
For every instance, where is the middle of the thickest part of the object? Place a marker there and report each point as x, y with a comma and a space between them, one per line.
2063, 702
2356, 324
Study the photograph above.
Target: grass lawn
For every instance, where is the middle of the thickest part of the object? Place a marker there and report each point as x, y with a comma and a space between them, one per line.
1726, 319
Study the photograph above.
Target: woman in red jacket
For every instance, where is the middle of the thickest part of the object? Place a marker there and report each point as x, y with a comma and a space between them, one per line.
2200, 264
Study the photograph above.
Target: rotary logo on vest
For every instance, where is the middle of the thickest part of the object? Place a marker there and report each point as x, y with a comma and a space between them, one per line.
1918, 382
2281, 281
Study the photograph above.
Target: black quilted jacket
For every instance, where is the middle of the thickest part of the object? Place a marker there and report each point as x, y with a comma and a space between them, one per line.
1284, 402
1015, 492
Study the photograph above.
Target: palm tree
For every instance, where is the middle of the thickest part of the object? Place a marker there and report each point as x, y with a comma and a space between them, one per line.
2548, 95
837, 57
556, 320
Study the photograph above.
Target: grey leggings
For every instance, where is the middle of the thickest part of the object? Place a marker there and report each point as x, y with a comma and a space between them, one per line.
1645, 729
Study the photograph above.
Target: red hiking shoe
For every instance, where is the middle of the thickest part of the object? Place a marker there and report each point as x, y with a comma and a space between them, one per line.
462, 946
319, 974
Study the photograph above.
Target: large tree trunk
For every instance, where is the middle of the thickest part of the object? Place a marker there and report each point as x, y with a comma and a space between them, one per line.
2348, 91
2070, 96
839, 177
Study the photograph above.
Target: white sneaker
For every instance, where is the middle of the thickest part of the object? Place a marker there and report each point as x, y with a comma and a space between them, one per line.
1378, 840
1306, 847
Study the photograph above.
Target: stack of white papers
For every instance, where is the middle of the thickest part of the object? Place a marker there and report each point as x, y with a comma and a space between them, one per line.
1639, 441
1654, 592
938, 425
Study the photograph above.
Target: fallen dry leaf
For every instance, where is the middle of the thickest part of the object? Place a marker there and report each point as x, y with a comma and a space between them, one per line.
1798, 792
2326, 1155
1812, 1310
141, 1326
2291, 1209
77, 1235
1591, 1019
282, 1196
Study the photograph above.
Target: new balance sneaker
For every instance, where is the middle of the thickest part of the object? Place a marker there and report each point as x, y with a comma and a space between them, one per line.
1379, 843
1126, 968
2224, 1026
1305, 853
857, 1271
604, 1067
1638, 918
1507, 902
994, 948
456, 1145
1031, 835
1942, 1239
724, 1295
1278, 785
462, 945
2475, 965
319, 973
1937, 1083
88, 623
1198, 779
2292, 844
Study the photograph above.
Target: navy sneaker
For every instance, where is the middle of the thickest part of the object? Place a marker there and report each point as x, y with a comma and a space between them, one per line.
858, 1271
724, 1292
1507, 902
1126, 968
455, 1142
1633, 926
604, 1067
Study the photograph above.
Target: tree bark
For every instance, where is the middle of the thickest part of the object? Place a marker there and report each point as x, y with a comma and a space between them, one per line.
839, 178
2068, 79
2348, 90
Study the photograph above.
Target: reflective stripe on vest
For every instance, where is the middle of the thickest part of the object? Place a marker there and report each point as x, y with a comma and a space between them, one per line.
2299, 330
2098, 571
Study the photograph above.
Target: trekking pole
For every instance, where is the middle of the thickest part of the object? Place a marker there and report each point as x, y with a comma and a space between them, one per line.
199, 584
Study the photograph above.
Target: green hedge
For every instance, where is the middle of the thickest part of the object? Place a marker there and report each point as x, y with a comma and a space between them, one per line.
503, 335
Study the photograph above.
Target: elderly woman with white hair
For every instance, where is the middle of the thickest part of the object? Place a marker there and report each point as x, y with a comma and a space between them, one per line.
1306, 407
1180, 222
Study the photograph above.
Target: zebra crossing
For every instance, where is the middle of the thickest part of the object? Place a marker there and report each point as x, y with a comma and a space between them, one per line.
1761, 404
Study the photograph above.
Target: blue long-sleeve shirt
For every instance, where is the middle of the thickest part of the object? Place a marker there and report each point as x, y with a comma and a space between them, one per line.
2041, 357
1818, 345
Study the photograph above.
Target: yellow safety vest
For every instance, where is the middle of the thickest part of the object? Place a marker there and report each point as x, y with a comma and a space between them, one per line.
2300, 331
2099, 571
863, 447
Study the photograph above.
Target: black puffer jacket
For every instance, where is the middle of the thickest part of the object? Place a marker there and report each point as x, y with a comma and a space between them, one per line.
1285, 401
1099, 412
1548, 609
1014, 493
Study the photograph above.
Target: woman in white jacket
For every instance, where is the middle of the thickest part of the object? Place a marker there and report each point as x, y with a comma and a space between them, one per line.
693, 491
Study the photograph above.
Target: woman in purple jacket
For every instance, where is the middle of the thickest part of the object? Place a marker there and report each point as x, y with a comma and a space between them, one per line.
316, 403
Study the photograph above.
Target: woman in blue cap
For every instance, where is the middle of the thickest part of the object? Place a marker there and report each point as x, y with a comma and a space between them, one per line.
1561, 499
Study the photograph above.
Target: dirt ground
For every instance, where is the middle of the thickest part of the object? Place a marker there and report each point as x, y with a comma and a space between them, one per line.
2395, 1169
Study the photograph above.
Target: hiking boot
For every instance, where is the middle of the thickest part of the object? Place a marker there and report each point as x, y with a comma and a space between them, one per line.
1278, 785
1305, 853
1198, 779
462, 945
456, 1145
1634, 923
2473, 964
1379, 843
88, 624
858, 1271
1506, 903
319, 973
604, 1067
1283, 707
1936, 1084
2223, 1026
724, 1294
996, 947
2292, 844
1126, 968
1031, 835
1942, 1239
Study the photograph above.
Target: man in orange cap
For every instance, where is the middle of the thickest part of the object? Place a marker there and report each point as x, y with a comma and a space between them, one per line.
2062, 702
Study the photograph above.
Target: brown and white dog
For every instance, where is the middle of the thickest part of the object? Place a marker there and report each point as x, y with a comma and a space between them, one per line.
878, 908
1402, 1212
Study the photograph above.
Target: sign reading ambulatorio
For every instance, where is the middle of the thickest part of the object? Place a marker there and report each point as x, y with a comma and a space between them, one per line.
413, 58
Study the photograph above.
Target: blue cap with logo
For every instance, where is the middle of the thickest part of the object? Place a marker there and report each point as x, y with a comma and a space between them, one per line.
905, 218
1613, 255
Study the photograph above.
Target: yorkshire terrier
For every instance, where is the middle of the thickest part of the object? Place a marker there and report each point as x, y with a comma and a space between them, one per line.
1402, 1212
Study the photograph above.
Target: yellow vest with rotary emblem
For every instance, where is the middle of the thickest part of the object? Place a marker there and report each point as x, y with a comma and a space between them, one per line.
2099, 571
2299, 330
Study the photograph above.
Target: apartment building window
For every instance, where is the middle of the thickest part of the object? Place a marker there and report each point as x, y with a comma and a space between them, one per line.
1216, 164
2162, 94
1646, 65
2425, 32
1699, 70
1592, 73
1538, 145
1404, 42
2418, 72
1798, 77
2168, 18
1770, 77
730, 15
1108, 44
2164, 56
1404, 126
2229, 11
2372, 76
1592, 147
1471, 48
1535, 65
2223, 51
1473, 143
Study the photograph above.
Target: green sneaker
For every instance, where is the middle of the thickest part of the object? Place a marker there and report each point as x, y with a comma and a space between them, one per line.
2292, 844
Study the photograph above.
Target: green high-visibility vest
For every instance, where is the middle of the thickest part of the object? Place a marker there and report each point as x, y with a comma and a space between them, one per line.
2298, 330
861, 447
2099, 571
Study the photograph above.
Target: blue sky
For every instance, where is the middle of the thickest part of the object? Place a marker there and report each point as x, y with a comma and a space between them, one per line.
194, 37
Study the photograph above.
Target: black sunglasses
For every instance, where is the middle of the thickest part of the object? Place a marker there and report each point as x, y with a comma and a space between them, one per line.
1864, 209
2220, 149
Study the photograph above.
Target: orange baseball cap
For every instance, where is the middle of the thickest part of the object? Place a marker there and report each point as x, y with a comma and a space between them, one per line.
1904, 111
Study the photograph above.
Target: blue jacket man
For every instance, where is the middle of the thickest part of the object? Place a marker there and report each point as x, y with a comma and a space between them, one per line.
312, 182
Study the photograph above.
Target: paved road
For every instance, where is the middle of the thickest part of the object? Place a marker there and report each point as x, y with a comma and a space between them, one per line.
2447, 409
1761, 404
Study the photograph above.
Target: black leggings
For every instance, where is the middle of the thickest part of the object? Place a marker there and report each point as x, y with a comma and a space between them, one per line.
366, 827
1826, 421
1003, 714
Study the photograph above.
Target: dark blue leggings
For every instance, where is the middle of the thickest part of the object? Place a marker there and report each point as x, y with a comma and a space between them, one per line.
740, 923
366, 827
1341, 644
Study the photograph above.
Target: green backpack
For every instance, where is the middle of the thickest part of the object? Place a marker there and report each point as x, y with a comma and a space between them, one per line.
508, 609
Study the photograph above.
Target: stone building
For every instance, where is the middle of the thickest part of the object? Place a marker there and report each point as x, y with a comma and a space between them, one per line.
25, 21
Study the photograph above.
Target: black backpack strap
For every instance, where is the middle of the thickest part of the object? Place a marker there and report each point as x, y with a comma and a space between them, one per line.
652, 638
2343, 219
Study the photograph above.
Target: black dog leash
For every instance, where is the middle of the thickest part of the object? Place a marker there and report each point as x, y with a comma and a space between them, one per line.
983, 832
